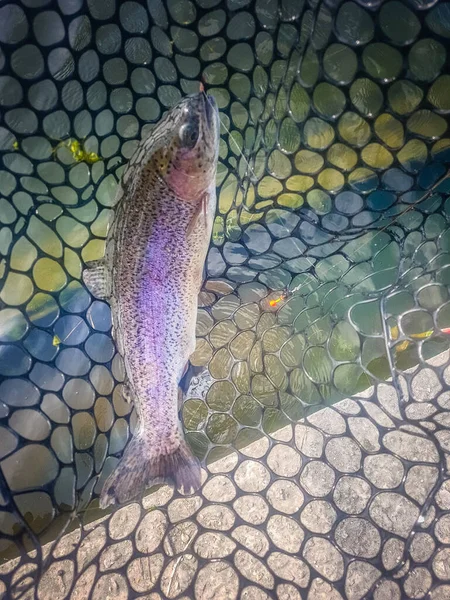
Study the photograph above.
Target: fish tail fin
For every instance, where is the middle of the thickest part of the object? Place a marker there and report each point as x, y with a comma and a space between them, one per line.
144, 464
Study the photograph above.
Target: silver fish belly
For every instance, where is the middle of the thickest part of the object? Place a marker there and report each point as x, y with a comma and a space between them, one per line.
151, 275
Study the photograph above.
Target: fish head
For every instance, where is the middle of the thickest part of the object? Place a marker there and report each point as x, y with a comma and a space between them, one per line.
186, 159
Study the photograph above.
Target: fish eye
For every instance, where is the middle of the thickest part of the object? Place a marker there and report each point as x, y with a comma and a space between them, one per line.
189, 135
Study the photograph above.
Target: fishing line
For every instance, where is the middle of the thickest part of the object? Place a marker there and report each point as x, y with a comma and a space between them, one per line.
202, 90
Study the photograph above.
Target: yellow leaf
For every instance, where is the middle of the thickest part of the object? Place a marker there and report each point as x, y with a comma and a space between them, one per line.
403, 346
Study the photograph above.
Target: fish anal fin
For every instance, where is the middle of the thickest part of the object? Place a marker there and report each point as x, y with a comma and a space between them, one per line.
96, 278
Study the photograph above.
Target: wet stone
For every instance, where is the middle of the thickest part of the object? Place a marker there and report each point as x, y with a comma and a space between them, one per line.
101, 379
443, 495
358, 537
440, 592
215, 579
317, 478
183, 508
420, 481
178, 575
344, 454
252, 509
99, 316
71, 330
62, 444
214, 545
286, 591
387, 589
104, 414
17, 289
257, 239
220, 462
252, 476
309, 441
425, 385
418, 411
411, 447
360, 578
23, 255
72, 361
115, 555
14, 26
30, 424
252, 539
78, 394
151, 532
324, 558
318, 516
289, 568
17, 472
394, 513
144, 574
180, 538
219, 489
74, 298
285, 533
442, 529
8, 442
285, 496
84, 430
365, 433
13, 360
100, 347
422, 547
388, 399
55, 409
329, 421
18, 392
37, 508
284, 461
418, 583
384, 471
56, 579
91, 547
40, 345
158, 497
112, 581
322, 590
441, 564
118, 436
429, 516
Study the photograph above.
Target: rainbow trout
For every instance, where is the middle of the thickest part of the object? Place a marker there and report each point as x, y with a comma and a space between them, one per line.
151, 275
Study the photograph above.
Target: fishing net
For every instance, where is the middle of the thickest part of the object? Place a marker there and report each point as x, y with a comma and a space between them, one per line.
317, 394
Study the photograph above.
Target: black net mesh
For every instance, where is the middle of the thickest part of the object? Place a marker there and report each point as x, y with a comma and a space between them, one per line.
317, 395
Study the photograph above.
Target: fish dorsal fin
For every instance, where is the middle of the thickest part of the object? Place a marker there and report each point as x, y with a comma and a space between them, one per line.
96, 277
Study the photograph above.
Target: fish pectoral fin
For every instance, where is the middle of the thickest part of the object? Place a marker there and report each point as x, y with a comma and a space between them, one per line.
200, 212
96, 277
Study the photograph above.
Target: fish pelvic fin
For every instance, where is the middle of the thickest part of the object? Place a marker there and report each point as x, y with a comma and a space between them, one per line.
97, 279
144, 464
